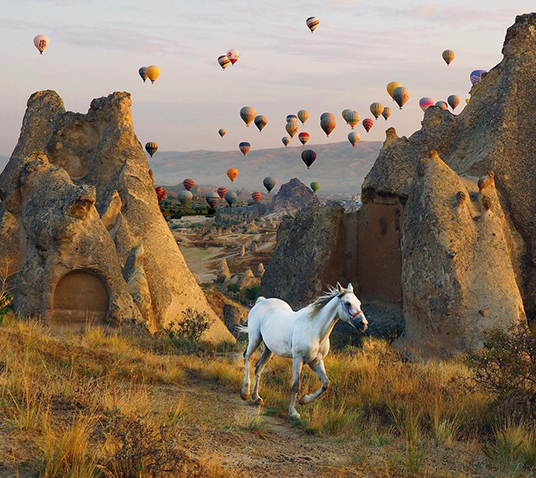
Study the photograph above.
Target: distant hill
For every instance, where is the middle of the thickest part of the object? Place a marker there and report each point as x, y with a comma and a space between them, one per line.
338, 167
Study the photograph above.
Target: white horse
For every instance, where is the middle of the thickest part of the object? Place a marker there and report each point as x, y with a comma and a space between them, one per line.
302, 336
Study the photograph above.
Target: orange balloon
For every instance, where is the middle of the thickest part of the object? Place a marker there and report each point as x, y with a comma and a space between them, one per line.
232, 173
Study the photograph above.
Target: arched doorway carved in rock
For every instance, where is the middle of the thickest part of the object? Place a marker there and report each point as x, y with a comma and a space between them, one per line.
80, 298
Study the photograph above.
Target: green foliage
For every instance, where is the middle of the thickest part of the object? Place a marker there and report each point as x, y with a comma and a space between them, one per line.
190, 328
233, 288
251, 294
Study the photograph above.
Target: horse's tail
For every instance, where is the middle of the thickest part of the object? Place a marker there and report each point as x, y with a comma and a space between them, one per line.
242, 329
260, 299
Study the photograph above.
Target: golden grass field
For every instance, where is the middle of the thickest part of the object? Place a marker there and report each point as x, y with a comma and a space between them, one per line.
125, 404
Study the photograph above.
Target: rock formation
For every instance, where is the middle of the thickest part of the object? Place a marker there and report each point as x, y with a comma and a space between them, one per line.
293, 196
81, 228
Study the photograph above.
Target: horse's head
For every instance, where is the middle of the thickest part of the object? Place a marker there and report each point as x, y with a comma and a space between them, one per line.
350, 308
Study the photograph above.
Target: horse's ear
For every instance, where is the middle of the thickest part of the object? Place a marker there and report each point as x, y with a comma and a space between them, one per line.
339, 287
350, 287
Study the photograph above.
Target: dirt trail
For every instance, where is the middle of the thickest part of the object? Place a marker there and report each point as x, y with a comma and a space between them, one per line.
217, 425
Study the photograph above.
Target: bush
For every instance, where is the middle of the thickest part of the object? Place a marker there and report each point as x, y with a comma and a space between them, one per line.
235, 288
190, 328
506, 368
251, 294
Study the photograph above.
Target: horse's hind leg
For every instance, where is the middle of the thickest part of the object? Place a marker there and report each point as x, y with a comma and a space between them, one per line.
255, 340
259, 367
297, 364
320, 370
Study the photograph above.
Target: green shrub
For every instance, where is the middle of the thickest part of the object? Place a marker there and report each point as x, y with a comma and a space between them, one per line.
190, 328
251, 294
233, 288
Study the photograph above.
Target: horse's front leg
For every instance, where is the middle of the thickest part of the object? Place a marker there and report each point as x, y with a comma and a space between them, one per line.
318, 368
297, 364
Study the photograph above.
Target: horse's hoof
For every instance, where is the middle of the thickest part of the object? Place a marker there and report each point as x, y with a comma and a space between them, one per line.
245, 395
295, 416
259, 401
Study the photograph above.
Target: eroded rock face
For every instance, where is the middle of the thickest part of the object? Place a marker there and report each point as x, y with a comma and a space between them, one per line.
79, 216
293, 196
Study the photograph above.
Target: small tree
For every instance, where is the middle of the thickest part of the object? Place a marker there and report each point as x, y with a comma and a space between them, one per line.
190, 328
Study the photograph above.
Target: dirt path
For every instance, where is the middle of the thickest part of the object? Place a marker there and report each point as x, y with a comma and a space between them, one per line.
219, 426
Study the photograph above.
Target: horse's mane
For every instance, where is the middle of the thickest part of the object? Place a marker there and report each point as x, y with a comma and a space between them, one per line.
323, 300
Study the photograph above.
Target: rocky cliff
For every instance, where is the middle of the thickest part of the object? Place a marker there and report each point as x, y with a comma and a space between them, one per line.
81, 228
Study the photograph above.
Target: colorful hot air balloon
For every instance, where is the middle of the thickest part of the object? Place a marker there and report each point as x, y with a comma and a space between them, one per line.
401, 96
224, 61
345, 113
312, 23
352, 118
285, 140
308, 157
386, 112
261, 122
222, 192
442, 104
368, 124
303, 137
453, 101
212, 199
244, 146
142, 73
232, 174
256, 196
448, 56
185, 197
476, 76
151, 148
354, 138
248, 113
222, 132
291, 118
152, 72
292, 128
376, 109
269, 183
315, 186
391, 87
231, 198
233, 55
160, 193
328, 123
188, 184
41, 42
426, 102
303, 115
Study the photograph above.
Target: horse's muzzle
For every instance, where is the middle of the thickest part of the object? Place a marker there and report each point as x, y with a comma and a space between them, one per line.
359, 322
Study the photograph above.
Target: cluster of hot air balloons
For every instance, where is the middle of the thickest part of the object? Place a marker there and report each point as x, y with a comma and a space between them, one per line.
231, 57
152, 72
453, 101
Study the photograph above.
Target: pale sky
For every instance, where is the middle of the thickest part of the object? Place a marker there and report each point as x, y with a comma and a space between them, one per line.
97, 46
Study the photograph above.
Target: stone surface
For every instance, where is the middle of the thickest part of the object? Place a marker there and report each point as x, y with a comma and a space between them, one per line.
79, 217
293, 196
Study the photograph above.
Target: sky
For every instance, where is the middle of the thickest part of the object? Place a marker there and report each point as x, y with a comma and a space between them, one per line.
97, 46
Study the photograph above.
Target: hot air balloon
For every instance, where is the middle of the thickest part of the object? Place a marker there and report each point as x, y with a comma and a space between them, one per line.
248, 113
41, 42
233, 55
292, 118
185, 197
352, 118
376, 109
453, 101
222, 192
328, 123
303, 115
476, 76
401, 96
368, 124
269, 183
312, 23
308, 157
244, 146
344, 114
448, 56
256, 196
151, 148
426, 102
231, 197
261, 122
386, 112
160, 193
212, 199
142, 73
391, 87
285, 140
152, 72
224, 61
222, 132
354, 138
442, 104
303, 137
232, 173
188, 184
315, 186
292, 128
